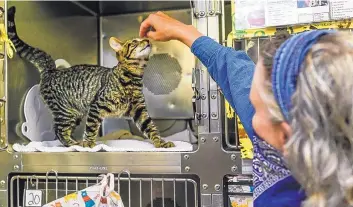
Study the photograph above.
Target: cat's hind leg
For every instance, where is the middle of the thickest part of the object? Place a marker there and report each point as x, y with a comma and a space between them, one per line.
93, 123
145, 124
64, 127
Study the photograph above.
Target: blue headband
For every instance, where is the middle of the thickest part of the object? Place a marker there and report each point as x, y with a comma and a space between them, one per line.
287, 65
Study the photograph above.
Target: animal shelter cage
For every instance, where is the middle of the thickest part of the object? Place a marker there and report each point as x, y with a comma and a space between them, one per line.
184, 102
208, 167
134, 191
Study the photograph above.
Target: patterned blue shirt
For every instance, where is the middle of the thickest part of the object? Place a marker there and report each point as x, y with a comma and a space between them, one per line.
233, 71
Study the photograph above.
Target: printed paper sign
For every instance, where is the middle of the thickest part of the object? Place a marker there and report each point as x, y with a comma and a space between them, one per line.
341, 9
309, 11
241, 201
281, 12
251, 14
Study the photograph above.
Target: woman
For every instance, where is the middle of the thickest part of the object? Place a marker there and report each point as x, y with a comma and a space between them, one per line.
233, 71
301, 94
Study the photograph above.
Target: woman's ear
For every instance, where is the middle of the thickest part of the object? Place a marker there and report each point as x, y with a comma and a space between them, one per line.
286, 129
115, 44
283, 135
287, 132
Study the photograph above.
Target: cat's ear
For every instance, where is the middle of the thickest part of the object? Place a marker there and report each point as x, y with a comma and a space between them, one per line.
115, 44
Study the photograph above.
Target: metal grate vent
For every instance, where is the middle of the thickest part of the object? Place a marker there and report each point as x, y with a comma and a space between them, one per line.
162, 74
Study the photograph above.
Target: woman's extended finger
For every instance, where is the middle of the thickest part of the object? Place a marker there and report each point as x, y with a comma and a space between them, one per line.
159, 13
153, 35
145, 27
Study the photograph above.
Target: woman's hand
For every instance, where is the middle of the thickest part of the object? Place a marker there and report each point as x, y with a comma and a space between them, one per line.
161, 27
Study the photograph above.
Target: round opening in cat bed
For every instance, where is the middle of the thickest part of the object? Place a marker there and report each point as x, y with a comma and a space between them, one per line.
162, 74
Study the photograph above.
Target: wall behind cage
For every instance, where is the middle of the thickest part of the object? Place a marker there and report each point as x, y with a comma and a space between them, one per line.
59, 28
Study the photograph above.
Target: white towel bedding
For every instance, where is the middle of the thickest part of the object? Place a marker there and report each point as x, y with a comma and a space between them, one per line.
112, 146
109, 146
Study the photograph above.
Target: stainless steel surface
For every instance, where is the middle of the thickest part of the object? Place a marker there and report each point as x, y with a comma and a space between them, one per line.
199, 8
128, 7
61, 34
213, 7
101, 39
196, 97
107, 8
163, 99
223, 24
207, 22
3, 88
84, 7
213, 29
247, 166
219, 163
7, 163
3, 198
212, 200
206, 200
202, 104
73, 162
134, 190
227, 137
217, 200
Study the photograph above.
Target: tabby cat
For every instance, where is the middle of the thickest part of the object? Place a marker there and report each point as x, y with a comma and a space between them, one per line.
95, 91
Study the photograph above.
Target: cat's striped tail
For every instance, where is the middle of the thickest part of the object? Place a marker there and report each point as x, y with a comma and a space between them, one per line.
37, 57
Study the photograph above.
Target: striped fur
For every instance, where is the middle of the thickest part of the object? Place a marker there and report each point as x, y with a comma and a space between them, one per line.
95, 91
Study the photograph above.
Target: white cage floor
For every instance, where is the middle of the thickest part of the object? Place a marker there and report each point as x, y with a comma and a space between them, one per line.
110, 146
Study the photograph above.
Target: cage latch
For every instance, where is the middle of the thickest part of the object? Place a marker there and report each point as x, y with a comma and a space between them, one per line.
195, 97
3, 99
198, 9
202, 9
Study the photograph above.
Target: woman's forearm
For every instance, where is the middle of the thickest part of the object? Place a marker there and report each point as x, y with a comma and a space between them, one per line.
187, 34
233, 71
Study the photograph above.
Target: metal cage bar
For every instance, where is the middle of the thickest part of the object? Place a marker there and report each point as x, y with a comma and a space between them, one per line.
64, 186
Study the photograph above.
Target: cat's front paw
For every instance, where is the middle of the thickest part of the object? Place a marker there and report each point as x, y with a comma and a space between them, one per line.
89, 144
163, 144
168, 145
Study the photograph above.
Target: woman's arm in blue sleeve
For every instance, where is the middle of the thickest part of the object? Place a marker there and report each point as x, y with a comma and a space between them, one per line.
233, 71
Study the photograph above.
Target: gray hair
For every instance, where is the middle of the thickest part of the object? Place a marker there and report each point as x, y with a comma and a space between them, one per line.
320, 153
